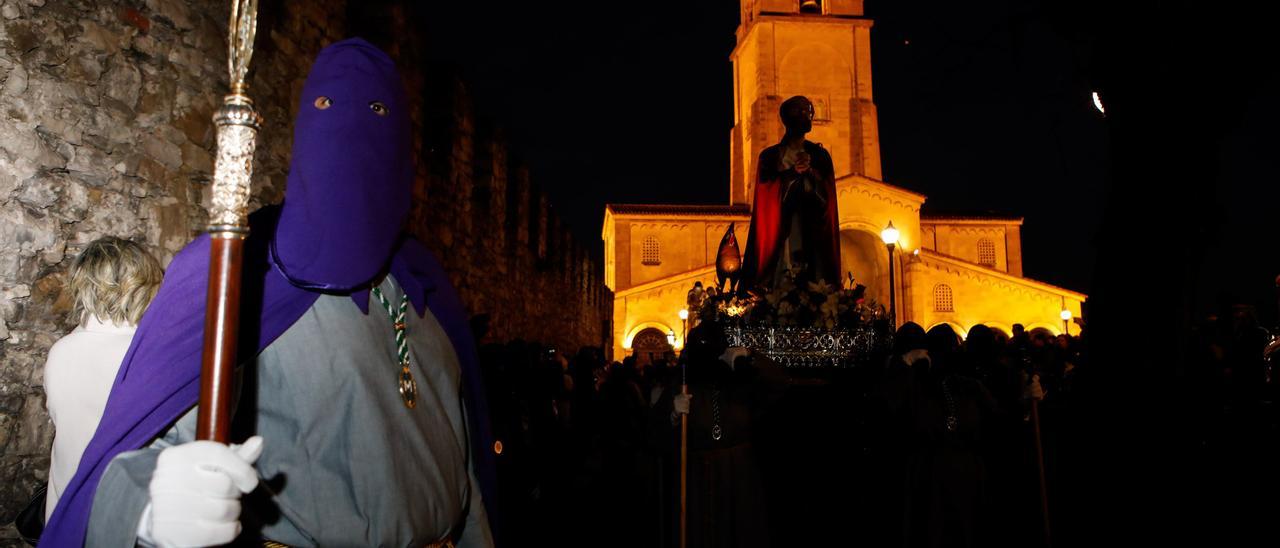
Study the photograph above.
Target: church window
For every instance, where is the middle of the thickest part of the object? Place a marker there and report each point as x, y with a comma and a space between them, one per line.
649, 252
821, 108
986, 252
942, 298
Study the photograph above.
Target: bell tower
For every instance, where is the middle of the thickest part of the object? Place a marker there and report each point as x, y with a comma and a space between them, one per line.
817, 48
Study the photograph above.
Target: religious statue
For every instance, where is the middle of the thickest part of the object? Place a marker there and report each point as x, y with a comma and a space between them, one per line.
794, 221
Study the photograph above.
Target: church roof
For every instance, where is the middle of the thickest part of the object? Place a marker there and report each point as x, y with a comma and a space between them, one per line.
680, 209
933, 214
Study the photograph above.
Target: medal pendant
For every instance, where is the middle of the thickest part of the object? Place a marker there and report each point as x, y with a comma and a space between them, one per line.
716, 433
408, 387
951, 424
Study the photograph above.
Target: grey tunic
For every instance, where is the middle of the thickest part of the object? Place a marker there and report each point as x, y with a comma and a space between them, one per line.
345, 463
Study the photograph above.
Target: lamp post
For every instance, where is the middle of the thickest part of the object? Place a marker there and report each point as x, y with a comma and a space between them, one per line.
1066, 318
684, 446
890, 238
684, 325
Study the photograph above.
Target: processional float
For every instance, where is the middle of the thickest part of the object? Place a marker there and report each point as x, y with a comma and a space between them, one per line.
798, 324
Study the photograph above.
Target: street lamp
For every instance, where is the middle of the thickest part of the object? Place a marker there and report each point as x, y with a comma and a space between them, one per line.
1066, 317
684, 324
890, 237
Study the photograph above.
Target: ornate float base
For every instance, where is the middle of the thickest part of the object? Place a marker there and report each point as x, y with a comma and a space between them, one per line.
807, 347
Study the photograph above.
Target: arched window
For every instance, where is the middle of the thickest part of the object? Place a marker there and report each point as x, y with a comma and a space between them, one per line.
986, 252
810, 6
821, 108
649, 252
942, 301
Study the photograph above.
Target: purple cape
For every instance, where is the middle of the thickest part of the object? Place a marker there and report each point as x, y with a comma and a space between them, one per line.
338, 230
159, 379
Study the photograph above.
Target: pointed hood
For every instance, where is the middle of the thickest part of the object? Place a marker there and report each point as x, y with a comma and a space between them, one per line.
351, 174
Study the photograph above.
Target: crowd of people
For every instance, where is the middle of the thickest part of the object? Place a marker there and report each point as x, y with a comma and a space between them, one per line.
969, 439
947, 424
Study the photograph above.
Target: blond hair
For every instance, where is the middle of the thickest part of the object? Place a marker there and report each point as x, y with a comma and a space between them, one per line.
114, 280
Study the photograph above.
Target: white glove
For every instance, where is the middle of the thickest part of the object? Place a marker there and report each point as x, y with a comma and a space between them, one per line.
1032, 390
195, 493
915, 355
681, 403
732, 353
680, 407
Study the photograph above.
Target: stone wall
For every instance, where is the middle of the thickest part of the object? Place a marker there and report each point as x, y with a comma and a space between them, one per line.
104, 130
495, 230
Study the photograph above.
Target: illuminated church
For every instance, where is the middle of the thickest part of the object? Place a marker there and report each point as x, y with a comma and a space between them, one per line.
961, 270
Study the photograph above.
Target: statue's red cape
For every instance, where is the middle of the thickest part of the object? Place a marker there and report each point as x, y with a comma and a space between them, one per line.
766, 235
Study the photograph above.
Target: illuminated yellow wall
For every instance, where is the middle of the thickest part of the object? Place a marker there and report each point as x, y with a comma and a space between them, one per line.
651, 295
684, 242
960, 238
610, 251
867, 204
654, 305
982, 296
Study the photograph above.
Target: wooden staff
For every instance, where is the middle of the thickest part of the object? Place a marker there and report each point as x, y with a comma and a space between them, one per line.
237, 123
1044, 493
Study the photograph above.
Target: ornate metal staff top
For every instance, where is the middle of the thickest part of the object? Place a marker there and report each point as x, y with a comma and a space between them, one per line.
237, 124
240, 34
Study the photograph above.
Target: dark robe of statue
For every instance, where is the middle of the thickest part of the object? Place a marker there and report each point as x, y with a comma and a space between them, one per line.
794, 219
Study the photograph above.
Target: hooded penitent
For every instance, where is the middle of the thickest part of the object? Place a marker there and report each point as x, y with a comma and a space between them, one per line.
339, 228
350, 174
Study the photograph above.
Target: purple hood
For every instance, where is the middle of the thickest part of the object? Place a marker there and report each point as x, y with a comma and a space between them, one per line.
351, 171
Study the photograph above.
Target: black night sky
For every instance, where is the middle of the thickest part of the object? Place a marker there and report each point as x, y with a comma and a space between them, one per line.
983, 106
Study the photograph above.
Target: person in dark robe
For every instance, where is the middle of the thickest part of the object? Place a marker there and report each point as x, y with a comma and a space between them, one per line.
938, 420
794, 220
1012, 494
946, 472
888, 432
729, 390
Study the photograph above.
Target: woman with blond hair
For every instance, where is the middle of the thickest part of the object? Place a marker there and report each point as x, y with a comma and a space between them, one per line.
112, 280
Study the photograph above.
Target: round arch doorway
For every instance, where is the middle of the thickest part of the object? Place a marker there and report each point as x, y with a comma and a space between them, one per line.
865, 256
650, 345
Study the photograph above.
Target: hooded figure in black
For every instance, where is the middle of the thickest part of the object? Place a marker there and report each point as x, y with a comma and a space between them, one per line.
729, 389
937, 418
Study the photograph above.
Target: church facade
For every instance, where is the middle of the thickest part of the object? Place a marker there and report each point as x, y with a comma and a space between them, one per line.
958, 269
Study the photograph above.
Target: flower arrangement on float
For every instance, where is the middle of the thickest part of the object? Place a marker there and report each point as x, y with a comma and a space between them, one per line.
802, 322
